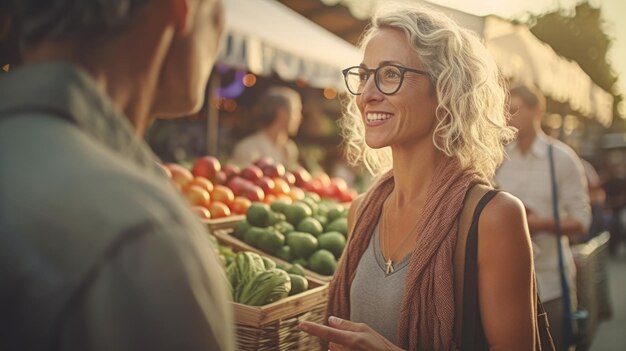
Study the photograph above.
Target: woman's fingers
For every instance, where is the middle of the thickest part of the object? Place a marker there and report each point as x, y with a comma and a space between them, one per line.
343, 324
346, 335
327, 333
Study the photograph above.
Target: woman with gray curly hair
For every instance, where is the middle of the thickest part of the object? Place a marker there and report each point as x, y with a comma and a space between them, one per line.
427, 114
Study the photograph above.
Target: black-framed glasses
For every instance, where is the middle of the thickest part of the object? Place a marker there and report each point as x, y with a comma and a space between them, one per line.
388, 78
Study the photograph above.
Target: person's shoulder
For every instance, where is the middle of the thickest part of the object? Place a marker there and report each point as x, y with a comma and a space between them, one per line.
503, 213
82, 179
250, 140
564, 151
503, 232
503, 203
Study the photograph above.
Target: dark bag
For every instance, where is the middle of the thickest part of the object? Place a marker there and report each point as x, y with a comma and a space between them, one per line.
576, 330
469, 334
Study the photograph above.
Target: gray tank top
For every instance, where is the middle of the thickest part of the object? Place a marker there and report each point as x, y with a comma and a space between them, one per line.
375, 297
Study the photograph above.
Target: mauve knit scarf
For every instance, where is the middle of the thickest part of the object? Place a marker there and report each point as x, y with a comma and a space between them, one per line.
427, 310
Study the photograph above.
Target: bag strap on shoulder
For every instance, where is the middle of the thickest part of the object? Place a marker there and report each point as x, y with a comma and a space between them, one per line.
472, 198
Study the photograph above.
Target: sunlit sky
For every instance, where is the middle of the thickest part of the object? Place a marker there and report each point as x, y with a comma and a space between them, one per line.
613, 11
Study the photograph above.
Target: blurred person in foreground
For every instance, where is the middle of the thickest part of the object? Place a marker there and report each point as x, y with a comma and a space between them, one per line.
280, 115
526, 174
428, 115
97, 250
8, 43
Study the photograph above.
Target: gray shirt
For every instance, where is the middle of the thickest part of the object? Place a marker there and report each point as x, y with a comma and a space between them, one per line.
97, 250
375, 297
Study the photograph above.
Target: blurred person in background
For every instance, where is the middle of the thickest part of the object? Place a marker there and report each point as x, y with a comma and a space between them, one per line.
97, 250
280, 114
615, 187
427, 115
597, 199
526, 174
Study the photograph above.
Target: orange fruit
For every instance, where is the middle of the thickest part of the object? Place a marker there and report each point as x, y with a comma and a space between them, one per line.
197, 196
223, 194
202, 182
281, 188
219, 209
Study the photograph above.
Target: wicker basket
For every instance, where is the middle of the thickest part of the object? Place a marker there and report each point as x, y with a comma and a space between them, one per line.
224, 236
591, 259
275, 326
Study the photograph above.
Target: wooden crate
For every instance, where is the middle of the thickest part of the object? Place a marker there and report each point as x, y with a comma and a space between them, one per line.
225, 237
223, 223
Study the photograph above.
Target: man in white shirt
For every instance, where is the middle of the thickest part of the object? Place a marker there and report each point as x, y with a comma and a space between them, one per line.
280, 113
526, 174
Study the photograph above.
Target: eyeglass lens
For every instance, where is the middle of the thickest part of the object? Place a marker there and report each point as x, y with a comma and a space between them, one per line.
387, 79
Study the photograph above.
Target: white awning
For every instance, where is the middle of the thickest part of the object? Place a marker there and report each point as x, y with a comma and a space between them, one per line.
264, 36
523, 57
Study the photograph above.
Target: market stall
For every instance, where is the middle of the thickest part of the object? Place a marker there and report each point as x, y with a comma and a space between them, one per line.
264, 37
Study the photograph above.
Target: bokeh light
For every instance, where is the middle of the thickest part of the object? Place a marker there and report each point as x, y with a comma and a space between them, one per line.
330, 93
249, 80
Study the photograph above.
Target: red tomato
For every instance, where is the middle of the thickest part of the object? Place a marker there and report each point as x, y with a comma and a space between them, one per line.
276, 170
251, 173
240, 205
264, 161
254, 193
338, 185
323, 178
347, 196
267, 184
238, 184
207, 167
231, 170
219, 209
223, 194
302, 176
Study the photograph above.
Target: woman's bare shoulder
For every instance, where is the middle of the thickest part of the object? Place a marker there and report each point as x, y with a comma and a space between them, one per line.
503, 227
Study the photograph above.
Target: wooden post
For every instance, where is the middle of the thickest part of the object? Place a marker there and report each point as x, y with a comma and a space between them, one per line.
212, 114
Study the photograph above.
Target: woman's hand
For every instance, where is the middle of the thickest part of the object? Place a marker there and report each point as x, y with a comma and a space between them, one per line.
344, 335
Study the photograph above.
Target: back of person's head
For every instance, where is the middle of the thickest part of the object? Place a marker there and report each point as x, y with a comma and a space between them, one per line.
78, 20
9, 53
274, 99
530, 96
470, 116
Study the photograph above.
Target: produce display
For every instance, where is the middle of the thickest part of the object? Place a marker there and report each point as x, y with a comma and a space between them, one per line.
258, 281
216, 192
310, 232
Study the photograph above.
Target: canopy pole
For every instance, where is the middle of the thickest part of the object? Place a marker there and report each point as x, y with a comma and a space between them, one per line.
212, 114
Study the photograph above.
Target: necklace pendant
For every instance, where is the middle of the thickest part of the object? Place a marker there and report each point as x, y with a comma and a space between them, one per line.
389, 266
